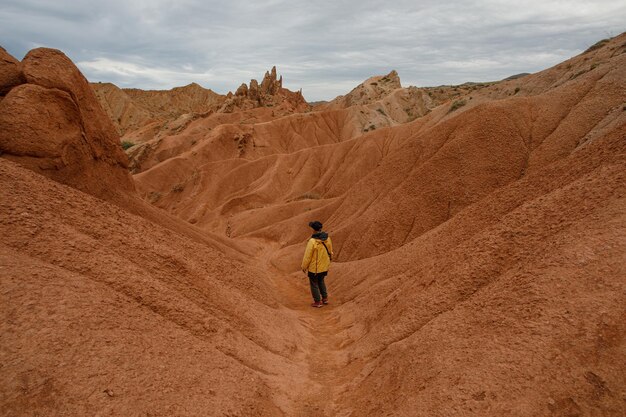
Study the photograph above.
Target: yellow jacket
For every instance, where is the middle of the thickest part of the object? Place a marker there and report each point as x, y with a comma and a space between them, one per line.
316, 258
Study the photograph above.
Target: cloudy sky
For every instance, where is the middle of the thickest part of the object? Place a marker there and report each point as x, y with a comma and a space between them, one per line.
324, 47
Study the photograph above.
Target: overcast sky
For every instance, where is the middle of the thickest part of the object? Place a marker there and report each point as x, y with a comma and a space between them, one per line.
324, 47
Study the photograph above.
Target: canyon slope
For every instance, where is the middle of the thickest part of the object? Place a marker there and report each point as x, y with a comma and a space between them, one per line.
479, 234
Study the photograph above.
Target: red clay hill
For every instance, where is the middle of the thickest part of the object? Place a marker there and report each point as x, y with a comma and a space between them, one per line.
480, 234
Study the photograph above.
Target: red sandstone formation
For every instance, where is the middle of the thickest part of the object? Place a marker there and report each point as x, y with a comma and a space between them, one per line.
51, 122
146, 118
479, 233
270, 93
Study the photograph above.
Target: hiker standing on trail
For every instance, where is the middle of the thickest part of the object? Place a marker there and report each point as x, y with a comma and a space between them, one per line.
317, 257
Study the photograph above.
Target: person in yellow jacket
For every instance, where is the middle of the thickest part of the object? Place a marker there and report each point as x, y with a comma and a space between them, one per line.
316, 261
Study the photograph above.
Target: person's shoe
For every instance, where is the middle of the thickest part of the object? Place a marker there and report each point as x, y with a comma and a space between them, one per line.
324, 300
317, 304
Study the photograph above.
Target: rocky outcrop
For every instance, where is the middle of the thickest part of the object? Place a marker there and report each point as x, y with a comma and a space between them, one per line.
26, 134
269, 93
242, 90
270, 85
371, 90
382, 101
51, 122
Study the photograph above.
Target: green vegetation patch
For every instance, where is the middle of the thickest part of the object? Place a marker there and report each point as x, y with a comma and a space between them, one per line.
597, 45
457, 104
127, 144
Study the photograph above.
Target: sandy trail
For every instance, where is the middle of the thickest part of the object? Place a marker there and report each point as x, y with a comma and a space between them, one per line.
322, 361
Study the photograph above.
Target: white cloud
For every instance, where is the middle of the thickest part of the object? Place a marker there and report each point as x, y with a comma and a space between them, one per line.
325, 47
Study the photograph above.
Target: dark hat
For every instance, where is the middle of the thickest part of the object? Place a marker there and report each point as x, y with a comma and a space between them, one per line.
317, 226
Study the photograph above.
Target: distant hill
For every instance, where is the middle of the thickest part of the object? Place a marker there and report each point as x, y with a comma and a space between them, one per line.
516, 76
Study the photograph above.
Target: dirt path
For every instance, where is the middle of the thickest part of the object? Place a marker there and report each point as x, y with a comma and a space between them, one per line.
322, 361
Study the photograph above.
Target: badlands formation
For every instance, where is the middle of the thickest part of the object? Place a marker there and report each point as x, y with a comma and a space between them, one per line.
479, 234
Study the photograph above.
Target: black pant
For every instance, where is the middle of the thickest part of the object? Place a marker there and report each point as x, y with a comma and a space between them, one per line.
317, 285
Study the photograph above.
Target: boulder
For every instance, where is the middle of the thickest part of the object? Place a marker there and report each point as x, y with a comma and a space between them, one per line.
27, 131
50, 68
10, 73
54, 125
